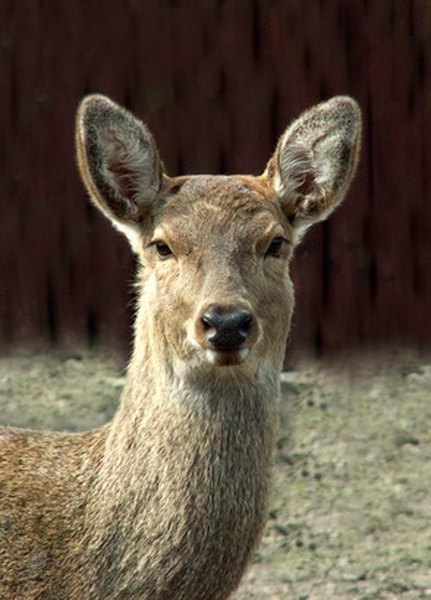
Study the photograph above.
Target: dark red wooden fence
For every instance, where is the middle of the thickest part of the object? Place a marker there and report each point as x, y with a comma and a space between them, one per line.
217, 81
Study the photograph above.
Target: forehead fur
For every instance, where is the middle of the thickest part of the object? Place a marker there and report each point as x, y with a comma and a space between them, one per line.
220, 200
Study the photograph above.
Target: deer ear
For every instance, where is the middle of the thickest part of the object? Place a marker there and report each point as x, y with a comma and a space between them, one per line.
119, 163
315, 161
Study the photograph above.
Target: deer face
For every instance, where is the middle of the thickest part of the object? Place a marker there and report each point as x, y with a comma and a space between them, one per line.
215, 250
216, 269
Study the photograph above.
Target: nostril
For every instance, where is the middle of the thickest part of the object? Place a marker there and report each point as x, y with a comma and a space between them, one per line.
207, 321
211, 324
245, 321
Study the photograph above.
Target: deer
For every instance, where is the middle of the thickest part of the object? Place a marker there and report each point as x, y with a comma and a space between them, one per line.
169, 499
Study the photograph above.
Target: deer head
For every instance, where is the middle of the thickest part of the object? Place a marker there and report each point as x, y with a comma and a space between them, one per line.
215, 250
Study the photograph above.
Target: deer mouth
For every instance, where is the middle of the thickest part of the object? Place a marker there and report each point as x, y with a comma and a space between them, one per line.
226, 358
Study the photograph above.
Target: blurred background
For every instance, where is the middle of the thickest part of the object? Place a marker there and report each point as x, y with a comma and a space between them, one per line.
217, 81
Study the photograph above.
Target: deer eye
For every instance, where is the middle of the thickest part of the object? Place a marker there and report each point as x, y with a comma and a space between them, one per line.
162, 249
276, 246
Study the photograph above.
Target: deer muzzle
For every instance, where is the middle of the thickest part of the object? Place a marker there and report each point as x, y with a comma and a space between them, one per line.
226, 333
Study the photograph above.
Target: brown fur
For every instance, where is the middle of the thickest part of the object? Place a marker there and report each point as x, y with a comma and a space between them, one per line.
168, 501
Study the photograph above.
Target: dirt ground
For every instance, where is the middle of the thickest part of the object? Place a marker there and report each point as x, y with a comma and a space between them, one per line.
350, 514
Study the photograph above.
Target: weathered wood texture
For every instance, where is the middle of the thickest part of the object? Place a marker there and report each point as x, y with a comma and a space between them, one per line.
217, 82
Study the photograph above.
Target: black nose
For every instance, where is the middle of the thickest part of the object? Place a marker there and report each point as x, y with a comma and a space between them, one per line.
227, 330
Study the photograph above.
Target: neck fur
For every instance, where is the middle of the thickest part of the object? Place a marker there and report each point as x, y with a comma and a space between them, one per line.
184, 478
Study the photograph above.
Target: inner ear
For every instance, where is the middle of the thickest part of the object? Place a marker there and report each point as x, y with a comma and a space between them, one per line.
315, 160
126, 162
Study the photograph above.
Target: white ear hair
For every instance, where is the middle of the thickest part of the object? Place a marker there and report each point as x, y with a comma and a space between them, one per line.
296, 161
125, 165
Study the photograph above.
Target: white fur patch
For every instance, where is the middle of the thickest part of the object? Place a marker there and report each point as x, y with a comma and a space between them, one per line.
131, 231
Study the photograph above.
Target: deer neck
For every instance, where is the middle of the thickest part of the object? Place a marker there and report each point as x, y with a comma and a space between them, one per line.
168, 421
185, 471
